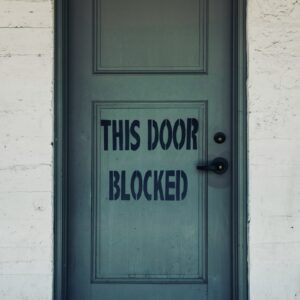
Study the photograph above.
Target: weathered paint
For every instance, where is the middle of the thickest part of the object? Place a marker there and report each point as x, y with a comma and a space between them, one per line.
274, 141
26, 114
26, 130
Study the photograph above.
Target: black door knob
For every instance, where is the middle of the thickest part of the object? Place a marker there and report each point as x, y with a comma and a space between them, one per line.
220, 137
219, 166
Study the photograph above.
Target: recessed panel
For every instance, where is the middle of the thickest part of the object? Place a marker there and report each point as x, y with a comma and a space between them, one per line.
149, 199
150, 36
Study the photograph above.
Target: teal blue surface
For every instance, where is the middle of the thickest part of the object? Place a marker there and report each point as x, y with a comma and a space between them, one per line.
171, 248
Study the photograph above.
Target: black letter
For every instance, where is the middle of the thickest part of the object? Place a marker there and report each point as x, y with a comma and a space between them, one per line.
179, 145
105, 124
165, 123
169, 185
177, 185
124, 196
192, 129
126, 134
185, 185
146, 178
136, 174
114, 178
135, 134
117, 135
158, 185
152, 145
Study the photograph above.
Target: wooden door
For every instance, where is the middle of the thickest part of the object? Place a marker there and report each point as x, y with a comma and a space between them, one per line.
150, 85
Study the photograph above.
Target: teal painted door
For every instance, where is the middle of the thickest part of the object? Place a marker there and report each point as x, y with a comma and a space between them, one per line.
150, 84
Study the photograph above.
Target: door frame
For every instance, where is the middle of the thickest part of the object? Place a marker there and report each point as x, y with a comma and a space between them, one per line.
239, 126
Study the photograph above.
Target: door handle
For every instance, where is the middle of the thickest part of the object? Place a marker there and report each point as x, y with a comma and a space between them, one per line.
219, 166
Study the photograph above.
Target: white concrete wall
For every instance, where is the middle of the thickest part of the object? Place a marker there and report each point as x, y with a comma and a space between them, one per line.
26, 133
274, 149
26, 117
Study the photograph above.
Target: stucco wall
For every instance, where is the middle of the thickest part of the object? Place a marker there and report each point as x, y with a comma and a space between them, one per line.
26, 132
274, 149
26, 114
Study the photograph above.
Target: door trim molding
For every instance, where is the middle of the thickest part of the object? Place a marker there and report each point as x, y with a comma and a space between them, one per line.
239, 125
60, 149
239, 153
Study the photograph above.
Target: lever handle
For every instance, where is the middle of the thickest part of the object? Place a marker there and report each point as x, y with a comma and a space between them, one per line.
219, 166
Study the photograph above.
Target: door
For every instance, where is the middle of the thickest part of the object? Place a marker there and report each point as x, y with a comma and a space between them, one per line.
149, 150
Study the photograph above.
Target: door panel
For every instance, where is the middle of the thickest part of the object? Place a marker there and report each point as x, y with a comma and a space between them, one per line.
149, 86
149, 201
155, 35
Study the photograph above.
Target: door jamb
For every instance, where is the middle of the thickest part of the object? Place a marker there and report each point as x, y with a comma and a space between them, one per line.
240, 193
240, 153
